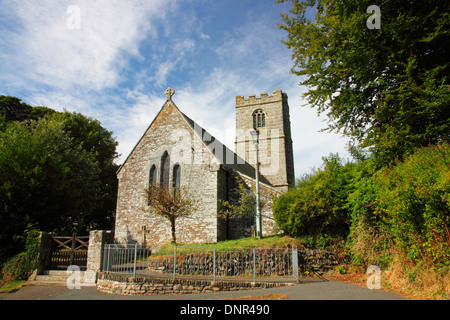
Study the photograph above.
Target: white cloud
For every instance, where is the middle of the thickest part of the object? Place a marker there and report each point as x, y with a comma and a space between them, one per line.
90, 57
174, 59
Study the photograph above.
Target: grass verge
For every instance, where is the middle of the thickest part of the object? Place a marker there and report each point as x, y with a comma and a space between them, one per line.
414, 282
12, 286
275, 241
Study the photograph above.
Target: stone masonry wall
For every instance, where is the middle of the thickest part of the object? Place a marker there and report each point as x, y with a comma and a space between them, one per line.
135, 223
124, 285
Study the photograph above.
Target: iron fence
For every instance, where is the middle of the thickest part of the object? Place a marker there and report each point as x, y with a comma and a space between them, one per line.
215, 263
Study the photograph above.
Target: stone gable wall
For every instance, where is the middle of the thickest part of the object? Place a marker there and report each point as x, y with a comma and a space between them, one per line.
135, 223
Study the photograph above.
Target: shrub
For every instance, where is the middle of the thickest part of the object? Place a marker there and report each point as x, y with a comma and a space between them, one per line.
413, 202
23, 264
318, 203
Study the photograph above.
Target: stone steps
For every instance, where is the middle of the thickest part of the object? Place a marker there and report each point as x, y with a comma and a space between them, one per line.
55, 278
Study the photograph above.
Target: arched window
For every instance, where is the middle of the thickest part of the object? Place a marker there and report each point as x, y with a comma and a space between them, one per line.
259, 119
176, 179
152, 176
165, 169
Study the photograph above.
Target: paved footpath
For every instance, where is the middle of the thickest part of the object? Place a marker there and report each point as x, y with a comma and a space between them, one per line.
309, 289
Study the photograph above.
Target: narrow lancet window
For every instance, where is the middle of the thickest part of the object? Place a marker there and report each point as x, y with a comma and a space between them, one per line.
152, 178
165, 170
176, 179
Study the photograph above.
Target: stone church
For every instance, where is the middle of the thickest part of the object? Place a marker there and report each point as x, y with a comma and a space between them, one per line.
176, 152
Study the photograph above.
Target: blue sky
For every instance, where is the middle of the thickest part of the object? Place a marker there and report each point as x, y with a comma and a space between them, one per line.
116, 66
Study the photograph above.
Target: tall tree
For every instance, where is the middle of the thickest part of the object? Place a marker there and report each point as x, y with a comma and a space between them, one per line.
45, 180
98, 141
387, 88
13, 109
92, 138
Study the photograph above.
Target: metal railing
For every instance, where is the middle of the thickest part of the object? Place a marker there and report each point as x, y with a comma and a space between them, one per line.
197, 262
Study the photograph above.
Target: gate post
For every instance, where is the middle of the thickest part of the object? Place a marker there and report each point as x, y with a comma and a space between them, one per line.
96, 253
44, 252
43, 257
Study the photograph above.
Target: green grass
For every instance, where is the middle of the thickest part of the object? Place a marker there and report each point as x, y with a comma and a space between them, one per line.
276, 241
12, 286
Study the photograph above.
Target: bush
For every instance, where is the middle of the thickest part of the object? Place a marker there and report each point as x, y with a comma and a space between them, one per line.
368, 242
23, 264
318, 203
287, 213
413, 203
402, 208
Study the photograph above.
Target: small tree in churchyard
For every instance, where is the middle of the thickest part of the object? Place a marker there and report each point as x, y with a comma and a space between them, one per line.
171, 204
244, 206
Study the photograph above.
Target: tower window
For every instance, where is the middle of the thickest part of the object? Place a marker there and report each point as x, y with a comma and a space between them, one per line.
259, 119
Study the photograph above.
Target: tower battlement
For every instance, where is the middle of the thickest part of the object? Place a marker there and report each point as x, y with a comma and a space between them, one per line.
262, 99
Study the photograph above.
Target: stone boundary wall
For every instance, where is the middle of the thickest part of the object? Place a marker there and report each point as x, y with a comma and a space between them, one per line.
321, 260
126, 285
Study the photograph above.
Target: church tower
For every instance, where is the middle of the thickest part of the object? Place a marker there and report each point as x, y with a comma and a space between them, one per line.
269, 115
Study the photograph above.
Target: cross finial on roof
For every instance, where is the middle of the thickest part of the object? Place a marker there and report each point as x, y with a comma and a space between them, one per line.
169, 93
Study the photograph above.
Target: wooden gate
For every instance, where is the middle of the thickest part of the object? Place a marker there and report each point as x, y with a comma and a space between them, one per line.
68, 251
